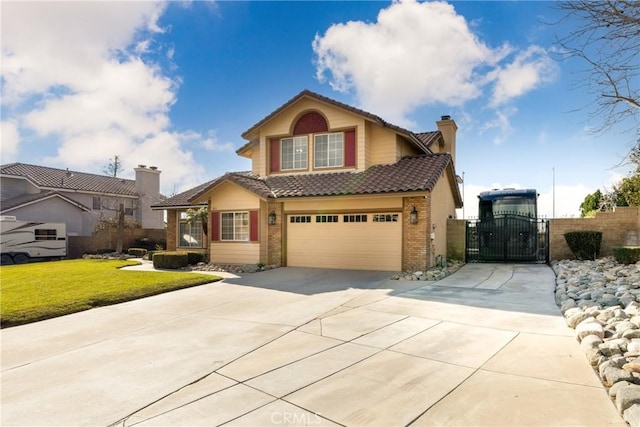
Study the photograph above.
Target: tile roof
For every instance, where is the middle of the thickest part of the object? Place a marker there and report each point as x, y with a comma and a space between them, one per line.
418, 142
184, 199
429, 138
60, 179
418, 173
410, 174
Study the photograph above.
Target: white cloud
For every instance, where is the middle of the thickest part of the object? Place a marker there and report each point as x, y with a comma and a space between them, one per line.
502, 123
419, 54
10, 138
76, 73
529, 70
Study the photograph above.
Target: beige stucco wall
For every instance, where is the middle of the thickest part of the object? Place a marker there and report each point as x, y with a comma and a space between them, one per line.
343, 204
382, 144
232, 197
442, 206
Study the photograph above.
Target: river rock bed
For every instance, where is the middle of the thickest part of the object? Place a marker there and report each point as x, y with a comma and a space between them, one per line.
600, 300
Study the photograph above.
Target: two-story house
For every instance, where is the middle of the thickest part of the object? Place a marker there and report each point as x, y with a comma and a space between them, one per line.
331, 186
79, 199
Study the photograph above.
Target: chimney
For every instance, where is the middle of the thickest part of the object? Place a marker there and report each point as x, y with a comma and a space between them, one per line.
148, 188
448, 128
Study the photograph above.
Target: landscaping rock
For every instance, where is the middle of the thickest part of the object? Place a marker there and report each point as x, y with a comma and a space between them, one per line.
627, 396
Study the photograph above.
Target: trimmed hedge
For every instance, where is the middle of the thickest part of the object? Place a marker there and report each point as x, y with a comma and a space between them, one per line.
585, 245
627, 254
137, 252
170, 260
195, 257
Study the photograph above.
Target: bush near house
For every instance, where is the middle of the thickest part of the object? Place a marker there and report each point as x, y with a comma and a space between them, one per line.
137, 252
38, 291
585, 245
176, 259
627, 254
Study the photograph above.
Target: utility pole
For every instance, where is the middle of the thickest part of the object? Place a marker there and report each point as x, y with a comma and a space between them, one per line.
554, 191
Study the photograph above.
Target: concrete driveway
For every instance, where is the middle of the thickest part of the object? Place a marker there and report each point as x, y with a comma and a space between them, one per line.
484, 347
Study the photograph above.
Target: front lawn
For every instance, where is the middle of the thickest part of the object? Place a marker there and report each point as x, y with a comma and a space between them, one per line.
32, 292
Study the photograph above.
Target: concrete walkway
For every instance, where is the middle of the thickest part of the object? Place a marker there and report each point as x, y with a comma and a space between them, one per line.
484, 347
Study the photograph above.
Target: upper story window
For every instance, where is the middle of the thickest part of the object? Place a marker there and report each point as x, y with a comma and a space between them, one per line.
311, 138
97, 203
294, 153
328, 150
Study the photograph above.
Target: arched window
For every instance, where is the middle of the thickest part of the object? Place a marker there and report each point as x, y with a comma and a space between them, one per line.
312, 122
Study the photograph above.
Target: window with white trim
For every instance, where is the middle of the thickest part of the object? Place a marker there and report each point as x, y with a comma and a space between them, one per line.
293, 153
189, 234
328, 150
234, 226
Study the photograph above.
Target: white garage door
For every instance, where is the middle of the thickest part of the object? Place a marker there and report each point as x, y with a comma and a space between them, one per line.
345, 241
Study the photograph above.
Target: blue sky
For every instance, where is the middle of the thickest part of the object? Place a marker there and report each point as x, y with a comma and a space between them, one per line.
175, 84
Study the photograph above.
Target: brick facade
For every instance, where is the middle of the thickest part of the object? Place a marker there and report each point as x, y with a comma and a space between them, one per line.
274, 235
172, 229
416, 250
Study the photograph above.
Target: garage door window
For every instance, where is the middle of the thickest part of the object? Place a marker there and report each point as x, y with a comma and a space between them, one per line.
295, 219
327, 218
355, 218
235, 226
385, 218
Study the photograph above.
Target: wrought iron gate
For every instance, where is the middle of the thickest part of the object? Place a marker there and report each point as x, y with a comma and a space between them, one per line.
507, 238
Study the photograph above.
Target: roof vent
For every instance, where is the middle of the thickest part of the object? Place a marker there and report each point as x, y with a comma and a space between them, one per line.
445, 117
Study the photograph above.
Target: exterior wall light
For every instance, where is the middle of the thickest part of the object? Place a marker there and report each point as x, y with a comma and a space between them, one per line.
272, 218
413, 216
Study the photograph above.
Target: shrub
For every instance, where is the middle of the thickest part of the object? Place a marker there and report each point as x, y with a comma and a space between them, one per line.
150, 244
195, 257
137, 252
170, 260
584, 244
627, 254
151, 253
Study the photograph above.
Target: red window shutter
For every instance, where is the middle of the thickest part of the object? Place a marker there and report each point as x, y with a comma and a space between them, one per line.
275, 155
350, 148
253, 226
215, 226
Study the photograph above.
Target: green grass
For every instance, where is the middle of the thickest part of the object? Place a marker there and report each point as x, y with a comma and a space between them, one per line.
32, 292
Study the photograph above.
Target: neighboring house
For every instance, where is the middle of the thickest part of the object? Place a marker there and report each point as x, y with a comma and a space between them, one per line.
331, 186
81, 200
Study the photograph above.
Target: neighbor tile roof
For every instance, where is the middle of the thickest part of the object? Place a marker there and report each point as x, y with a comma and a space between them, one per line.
417, 141
60, 179
418, 173
26, 199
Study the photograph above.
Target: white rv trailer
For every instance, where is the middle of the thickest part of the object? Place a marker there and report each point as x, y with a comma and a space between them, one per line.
22, 240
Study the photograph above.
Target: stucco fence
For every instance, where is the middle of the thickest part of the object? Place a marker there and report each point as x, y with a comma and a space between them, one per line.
619, 228
106, 239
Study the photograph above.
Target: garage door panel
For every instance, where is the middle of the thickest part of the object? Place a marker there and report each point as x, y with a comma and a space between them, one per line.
349, 245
